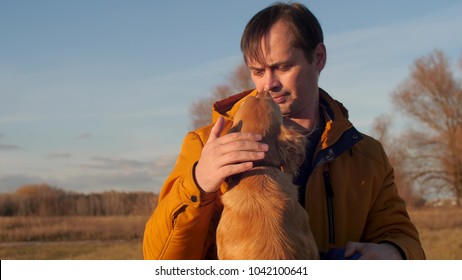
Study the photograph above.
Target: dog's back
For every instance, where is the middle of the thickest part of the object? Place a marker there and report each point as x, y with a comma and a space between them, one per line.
262, 218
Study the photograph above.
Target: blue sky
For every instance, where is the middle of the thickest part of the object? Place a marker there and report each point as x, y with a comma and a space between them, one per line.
94, 95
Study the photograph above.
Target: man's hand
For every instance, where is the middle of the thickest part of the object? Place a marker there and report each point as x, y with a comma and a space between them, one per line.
373, 251
227, 155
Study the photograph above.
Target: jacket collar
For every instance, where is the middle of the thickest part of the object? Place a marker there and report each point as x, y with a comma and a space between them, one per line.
228, 107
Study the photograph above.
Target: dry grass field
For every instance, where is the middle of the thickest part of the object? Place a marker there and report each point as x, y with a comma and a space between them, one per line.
88, 238
440, 231
120, 237
73, 250
71, 228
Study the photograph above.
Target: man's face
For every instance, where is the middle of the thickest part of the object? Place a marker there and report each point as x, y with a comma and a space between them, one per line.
287, 74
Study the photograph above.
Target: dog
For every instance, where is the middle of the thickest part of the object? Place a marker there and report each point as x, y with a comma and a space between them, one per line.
262, 218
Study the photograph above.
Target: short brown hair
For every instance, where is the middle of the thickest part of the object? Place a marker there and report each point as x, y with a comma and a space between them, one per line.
305, 27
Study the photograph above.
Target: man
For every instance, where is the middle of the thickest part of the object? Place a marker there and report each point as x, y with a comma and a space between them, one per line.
346, 183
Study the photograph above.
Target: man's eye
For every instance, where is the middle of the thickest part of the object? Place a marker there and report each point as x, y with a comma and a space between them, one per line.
284, 68
258, 73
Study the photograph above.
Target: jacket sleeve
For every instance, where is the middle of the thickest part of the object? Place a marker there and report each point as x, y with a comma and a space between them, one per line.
388, 220
179, 226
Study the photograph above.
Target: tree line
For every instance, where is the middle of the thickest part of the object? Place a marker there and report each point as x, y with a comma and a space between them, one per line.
46, 200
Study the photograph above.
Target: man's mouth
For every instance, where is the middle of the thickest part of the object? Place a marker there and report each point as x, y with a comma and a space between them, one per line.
280, 98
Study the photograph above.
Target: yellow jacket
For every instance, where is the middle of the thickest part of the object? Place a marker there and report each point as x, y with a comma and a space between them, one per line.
361, 202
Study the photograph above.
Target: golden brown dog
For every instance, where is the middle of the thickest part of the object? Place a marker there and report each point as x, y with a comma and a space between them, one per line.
262, 218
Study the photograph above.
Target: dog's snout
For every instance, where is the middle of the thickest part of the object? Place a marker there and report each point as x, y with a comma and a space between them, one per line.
264, 94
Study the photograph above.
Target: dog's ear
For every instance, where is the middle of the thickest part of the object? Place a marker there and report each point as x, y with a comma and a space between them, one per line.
292, 145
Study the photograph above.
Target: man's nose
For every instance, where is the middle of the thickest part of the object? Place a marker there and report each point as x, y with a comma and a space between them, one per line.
272, 82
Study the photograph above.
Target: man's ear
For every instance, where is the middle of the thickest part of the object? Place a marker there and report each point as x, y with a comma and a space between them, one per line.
320, 56
291, 149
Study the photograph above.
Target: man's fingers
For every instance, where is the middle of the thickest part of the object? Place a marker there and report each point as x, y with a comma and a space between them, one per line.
231, 137
352, 247
236, 157
216, 129
238, 148
240, 136
237, 168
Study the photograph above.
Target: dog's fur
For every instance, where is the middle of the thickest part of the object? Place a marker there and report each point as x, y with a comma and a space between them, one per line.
262, 218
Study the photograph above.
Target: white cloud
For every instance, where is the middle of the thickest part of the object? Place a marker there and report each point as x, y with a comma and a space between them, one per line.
122, 174
20, 118
59, 156
107, 163
9, 183
8, 147
159, 112
83, 136
101, 174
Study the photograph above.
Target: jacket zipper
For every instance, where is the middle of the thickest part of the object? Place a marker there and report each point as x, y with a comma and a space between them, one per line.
330, 206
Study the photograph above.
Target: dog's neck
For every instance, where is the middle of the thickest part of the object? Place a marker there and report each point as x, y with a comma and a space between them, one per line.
264, 164
256, 169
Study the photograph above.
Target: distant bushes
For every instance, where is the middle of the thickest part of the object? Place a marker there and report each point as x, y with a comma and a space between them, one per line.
44, 200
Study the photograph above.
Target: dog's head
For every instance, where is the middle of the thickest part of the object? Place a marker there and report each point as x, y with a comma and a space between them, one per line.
262, 115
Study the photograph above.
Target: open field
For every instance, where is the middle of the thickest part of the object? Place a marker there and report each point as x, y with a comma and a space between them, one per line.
71, 228
440, 232
90, 238
73, 250
120, 237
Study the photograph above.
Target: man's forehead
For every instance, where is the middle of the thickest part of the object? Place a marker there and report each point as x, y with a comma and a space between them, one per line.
267, 59
259, 55
256, 63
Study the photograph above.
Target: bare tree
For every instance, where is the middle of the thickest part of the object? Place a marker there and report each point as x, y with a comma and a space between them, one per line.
432, 97
397, 155
239, 80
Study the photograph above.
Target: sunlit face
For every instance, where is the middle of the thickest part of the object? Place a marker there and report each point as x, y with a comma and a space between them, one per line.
288, 76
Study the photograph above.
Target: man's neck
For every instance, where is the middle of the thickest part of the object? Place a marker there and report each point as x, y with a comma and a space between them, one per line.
306, 124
